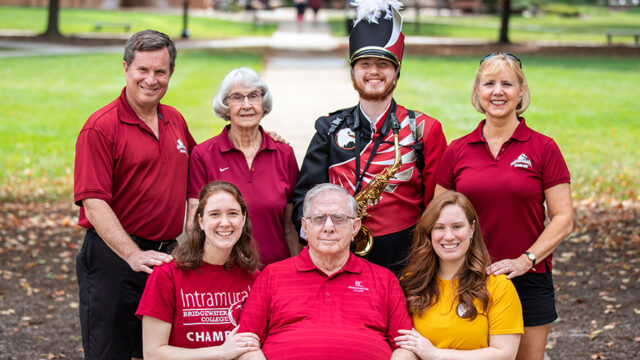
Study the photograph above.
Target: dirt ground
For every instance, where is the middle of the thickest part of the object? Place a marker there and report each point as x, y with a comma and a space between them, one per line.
596, 274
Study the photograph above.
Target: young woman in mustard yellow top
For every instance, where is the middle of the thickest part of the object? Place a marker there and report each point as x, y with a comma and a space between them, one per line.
459, 312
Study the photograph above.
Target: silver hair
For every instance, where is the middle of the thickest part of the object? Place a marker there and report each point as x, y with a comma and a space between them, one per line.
243, 76
327, 187
148, 40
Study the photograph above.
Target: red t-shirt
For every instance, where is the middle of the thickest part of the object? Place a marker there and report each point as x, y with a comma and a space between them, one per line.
266, 188
507, 191
409, 192
142, 178
300, 313
202, 305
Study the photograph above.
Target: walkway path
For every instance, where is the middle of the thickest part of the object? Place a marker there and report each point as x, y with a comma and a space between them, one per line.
305, 85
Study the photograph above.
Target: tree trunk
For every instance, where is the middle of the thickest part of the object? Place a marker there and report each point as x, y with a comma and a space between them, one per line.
52, 24
417, 23
504, 26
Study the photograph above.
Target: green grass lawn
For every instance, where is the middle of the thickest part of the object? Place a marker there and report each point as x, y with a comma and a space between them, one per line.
588, 105
590, 27
82, 21
46, 100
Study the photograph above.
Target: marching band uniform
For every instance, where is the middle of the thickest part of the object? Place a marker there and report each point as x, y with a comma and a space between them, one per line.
341, 152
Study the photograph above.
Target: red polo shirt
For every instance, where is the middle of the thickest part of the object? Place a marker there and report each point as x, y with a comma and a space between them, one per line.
301, 313
142, 178
266, 187
507, 191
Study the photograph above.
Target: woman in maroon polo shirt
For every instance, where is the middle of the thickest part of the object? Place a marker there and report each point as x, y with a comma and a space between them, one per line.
509, 172
243, 154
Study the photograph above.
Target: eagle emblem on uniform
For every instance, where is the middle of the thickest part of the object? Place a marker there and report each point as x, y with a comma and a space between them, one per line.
345, 139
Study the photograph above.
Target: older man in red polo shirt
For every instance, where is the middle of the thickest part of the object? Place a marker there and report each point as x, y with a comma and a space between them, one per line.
326, 303
132, 158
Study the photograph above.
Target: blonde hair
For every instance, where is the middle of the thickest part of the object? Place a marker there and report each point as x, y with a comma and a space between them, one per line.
494, 65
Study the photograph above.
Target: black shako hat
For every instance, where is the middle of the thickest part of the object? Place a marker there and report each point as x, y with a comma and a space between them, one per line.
377, 31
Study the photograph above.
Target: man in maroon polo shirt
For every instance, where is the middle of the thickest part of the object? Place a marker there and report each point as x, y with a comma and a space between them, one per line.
326, 303
130, 181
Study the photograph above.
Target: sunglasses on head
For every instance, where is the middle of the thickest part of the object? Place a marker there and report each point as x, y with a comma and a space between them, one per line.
502, 53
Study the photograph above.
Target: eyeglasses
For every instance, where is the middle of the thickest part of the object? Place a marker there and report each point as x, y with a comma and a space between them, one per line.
337, 219
237, 98
505, 54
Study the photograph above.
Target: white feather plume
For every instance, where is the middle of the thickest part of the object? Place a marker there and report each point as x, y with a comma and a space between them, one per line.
371, 10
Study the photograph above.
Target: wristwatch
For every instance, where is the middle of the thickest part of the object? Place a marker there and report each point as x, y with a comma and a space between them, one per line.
531, 257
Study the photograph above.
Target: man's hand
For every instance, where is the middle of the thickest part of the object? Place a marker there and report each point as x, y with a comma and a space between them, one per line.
104, 220
144, 260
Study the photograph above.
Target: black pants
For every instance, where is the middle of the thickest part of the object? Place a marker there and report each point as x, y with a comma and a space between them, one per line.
392, 250
109, 296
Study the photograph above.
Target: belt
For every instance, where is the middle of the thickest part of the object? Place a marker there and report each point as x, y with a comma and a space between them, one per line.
144, 244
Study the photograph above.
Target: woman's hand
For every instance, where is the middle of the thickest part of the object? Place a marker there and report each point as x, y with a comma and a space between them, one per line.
511, 267
237, 344
412, 340
277, 138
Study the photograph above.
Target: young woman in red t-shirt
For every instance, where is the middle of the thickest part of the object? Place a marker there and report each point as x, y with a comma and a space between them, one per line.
191, 307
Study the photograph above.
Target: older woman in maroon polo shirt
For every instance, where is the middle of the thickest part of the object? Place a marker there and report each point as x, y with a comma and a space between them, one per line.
509, 172
264, 170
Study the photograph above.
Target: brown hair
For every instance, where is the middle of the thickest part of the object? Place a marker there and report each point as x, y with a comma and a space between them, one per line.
494, 65
148, 40
419, 280
190, 251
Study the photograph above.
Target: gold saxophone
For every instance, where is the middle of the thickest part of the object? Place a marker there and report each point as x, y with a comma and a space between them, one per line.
370, 196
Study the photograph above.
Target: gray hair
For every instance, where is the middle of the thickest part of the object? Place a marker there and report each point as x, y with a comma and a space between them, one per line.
147, 40
327, 187
243, 76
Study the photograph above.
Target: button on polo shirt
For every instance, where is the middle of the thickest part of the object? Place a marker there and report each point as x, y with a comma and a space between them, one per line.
301, 313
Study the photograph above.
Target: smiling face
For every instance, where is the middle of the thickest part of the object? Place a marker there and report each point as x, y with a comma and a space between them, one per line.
374, 78
328, 239
247, 113
499, 94
451, 235
222, 222
147, 78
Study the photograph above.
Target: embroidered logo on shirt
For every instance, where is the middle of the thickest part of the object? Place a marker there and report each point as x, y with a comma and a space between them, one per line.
522, 161
181, 147
358, 287
223, 169
345, 139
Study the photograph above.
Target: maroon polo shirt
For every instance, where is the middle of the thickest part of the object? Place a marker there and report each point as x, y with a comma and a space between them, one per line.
266, 187
301, 313
507, 191
142, 178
